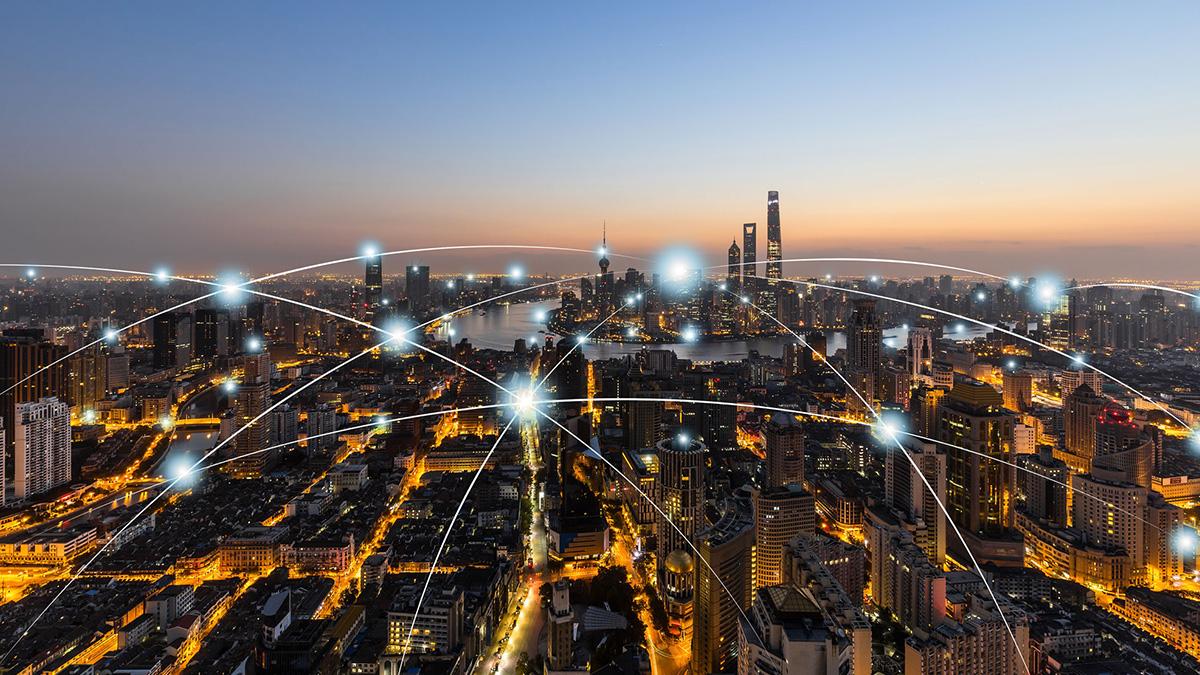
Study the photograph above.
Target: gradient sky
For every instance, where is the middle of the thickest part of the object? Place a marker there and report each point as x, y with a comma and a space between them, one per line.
1015, 137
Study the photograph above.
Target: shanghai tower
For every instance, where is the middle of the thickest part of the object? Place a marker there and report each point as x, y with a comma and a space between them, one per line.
774, 239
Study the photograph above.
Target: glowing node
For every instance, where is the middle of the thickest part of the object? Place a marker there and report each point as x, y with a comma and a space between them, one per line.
874, 278
602, 251
722, 286
523, 402
370, 251
229, 386
450, 332
385, 302
959, 328
253, 344
638, 296
828, 277
1185, 541
516, 272
629, 300
396, 330
540, 315
745, 300
678, 271
166, 422
449, 284
683, 439
89, 416
110, 335
1079, 358
161, 274
1014, 282
632, 332
981, 296
381, 420
904, 326
582, 339
1012, 365
690, 334
470, 277
181, 471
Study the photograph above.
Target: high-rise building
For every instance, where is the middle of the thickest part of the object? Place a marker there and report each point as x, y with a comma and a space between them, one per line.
212, 333
1018, 390
1081, 408
681, 467
42, 447
1044, 487
322, 422
26, 375
560, 643
785, 450
727, 546
116, 369
864, 344
416, 287
253, 399
749, 254
3, 467
1123, 452
957, 647
774, 238
979, 489
86, 378
905, 491
1070, 380
372, 288
733, 273
165, 331
792, 632
780, 515
920, 351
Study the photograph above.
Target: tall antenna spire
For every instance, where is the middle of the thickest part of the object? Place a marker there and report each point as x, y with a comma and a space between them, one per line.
604, 234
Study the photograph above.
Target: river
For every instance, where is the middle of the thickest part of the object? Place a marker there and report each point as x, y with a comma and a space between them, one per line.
501, 326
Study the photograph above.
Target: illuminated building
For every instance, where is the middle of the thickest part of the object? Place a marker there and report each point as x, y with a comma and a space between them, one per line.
774, 238
22, 378
1123, 452
1070, 380
749, 255
956, 647
785, 450
165, 331
41, 447
979, 491
253, 398
212, 333
1171, 617
560, 644
798, 637
416, 287
86, 379
728, 548
1080, 411
920, 351
780, 514
681, 468
905, 491
864, 342
372, 287
733, 272
1044, 487
438, 628
1018, 391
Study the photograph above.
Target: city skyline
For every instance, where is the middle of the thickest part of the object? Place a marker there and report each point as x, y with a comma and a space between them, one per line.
1040, 157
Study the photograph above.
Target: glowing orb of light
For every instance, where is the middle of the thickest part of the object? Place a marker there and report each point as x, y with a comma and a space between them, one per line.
166, 422
722, 286
981, 296
904, 326
602, 251
690, 334
874, 278
540, 315
450, 284
181, 471
31, 273
632, 332
253, 344
828, 277
470, 277
1185, 541
1079, 357
638, 296
385, 302
1014, 282
450, 332
1012, 364
370, 250
396, 330
745, 300
683, 439
110, 335
960, 328
629, 299
582, 339
523, 402
162, 274
516, 272
89, 416
229, 386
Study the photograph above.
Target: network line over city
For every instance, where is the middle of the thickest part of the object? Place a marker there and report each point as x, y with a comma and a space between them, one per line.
544, 339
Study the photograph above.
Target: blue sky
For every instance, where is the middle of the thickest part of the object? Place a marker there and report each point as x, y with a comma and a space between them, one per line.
1000, 136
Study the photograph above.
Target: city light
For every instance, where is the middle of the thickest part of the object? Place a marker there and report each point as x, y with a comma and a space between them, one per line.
370, 250
450, 284
678, 271
745, 300
722, 286
396, 330
683, 439
31, 273
162, 274
1079, 357
253, 345
960, 328
1014, 282
1012, 364
582, 339
602, 251
690, 334
523, 402
632, 332
89, 416
166, 422
516, 272
470, 277
1185, 541
450, 331
540, 315
874, 278
904, 326
981, 296
229, 386
385, 302
110, 335
638, 296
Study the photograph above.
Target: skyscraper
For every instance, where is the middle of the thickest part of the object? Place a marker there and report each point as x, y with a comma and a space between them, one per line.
22, 378
165, 332
733, 273
979, 491
780, 514
681, 463
864, 343
749, 253
416, 287
906, 492
42, 442
1080, 411
785, 451
373, 291
727, 546
920, 351
774, 238
253, 398
1123, 452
